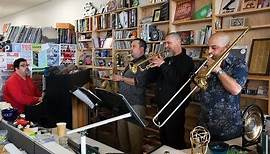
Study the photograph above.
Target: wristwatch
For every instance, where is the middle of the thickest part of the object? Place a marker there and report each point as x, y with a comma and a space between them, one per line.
219, 72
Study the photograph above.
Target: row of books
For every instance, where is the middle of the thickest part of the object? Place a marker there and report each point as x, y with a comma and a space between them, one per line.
85, 24
66, 36
122, 44
155, 48
114, 5
103, 22
28, 34
125, 19
125, 34
197, 37
24, 34
99, 42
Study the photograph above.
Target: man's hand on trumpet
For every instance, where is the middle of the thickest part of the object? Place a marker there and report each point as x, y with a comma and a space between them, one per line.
157, 61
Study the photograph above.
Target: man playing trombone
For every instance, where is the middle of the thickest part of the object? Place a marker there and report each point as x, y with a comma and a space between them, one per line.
132, 86
170, 74
220, 104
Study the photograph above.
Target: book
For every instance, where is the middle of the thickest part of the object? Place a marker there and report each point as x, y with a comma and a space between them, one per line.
228, 6
184, 10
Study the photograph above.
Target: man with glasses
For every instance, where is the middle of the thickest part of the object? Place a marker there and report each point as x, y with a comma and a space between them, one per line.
19, 90
220, 104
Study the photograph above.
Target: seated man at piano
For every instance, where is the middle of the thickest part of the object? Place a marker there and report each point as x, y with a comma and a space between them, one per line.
19, 90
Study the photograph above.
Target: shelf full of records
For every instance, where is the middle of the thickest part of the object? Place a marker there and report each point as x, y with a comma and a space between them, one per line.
122, 44
84, 25
28, 34
124, 19
127, 34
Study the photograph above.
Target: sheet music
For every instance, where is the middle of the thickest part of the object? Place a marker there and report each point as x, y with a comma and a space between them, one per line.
83, 97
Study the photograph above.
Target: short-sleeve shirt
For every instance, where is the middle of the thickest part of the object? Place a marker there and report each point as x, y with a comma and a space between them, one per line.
134, 93
220, 111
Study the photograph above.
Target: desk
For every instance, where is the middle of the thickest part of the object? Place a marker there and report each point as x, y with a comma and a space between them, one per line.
31, 146
162, 149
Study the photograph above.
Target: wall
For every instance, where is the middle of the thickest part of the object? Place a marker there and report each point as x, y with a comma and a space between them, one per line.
49, 13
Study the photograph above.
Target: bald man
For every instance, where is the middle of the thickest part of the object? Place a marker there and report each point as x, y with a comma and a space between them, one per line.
170, 74
220, 108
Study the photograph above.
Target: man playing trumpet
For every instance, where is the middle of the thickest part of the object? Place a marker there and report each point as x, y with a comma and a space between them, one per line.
132, 86
170, 74
220, 104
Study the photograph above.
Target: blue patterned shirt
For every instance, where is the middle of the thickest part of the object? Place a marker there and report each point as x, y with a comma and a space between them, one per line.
220, 111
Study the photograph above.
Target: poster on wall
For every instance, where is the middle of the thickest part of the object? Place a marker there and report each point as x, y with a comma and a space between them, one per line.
39, 56
53, 53
67, 53
10, 57
26, 47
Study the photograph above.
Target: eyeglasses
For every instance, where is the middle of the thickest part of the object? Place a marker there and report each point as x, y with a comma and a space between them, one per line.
24, 65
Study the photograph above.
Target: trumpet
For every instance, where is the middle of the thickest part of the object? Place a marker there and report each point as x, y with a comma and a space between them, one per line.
199, 77
134, 67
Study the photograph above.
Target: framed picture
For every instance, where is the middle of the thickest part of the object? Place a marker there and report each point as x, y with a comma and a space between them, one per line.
237, 22
248, 4
156, 15
260, 56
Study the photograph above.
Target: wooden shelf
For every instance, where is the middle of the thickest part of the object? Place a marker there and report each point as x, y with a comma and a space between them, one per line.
259, 77
192, 21
102, 67
157, 23
150, 5
103, 30
86, 66
100, 14
103, 57
155, 41
243, 28
125, 39
122, 49
124, 9
88, 40
84, 32
266, 9
103, 48
195, 46
85, 49
130, 28
255, 97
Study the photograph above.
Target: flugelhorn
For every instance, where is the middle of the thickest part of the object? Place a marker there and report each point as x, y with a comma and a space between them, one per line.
134, 67
199, 77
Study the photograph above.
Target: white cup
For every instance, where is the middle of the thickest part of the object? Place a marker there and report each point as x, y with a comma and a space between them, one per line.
61, 129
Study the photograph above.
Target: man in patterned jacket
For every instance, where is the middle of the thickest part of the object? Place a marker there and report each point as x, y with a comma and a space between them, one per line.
220, 108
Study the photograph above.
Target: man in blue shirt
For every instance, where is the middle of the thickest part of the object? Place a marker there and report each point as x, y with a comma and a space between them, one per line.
220, 108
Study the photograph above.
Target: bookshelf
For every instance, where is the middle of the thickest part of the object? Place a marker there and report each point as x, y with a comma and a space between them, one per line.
255, 20
217, 22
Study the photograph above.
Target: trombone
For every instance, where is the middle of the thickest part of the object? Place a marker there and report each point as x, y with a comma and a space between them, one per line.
200, 77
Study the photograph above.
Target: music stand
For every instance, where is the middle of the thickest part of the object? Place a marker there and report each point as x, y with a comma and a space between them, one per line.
87, 96
118, 104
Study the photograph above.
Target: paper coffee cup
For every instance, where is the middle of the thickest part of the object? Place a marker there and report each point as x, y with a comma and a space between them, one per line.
61, 129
